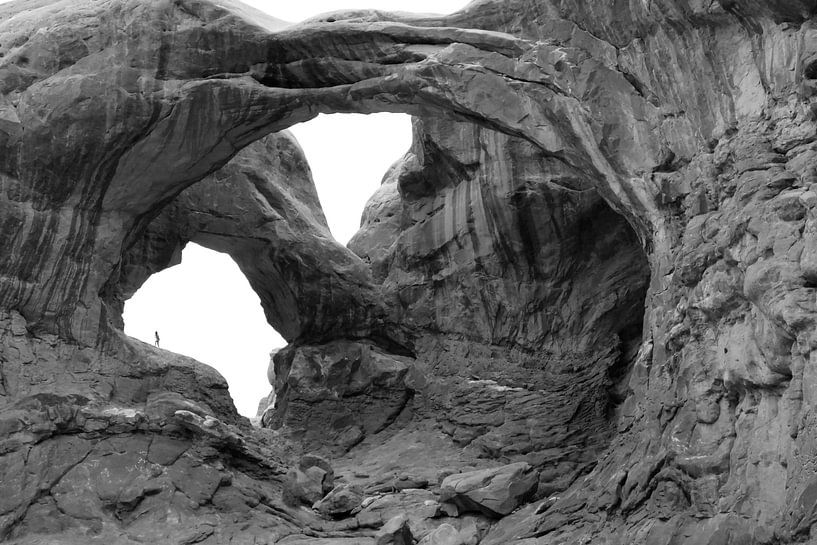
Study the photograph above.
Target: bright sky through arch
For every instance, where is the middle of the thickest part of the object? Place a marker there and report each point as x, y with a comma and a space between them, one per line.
205, 309
349, 154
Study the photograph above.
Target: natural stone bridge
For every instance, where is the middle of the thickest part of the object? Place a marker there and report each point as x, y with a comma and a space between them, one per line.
597, 258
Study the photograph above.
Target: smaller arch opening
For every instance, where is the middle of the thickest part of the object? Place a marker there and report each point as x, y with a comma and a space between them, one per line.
205, 308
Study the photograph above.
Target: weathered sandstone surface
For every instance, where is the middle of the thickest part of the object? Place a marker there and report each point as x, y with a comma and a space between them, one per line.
580, 309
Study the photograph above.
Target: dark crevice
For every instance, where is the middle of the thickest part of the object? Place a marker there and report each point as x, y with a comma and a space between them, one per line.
810, 71
640, 88
439, 165
405, 402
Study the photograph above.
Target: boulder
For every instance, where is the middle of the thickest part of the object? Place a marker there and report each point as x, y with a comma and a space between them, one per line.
332, 396
310, 462
495, 492
310, 481
445, 534
341, 501
395, 532
303, 487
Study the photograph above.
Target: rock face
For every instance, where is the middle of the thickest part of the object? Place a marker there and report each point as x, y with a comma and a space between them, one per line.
598, 260
395, 532
543, 287
338, 393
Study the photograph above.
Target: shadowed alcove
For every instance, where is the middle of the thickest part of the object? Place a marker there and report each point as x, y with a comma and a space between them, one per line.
524, 294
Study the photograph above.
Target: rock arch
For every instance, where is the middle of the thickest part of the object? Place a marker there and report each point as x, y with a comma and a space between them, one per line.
262, 210
516, 281
692, 120
161, 120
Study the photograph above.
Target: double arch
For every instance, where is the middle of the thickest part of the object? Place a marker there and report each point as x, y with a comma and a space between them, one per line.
156, 117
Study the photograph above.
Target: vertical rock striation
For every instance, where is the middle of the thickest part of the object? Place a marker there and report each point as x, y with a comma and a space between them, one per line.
525, 289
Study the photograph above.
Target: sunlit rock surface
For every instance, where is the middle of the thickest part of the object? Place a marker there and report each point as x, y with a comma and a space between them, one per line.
597, 261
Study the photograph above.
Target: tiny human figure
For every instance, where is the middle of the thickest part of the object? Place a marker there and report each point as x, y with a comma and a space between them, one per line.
156, 333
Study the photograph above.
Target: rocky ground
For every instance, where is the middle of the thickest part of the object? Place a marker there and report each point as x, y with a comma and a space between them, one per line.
580, 309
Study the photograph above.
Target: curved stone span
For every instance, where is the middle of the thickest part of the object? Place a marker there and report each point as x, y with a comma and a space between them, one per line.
262, 210
150, 118
544, 288
168, 118
561, 147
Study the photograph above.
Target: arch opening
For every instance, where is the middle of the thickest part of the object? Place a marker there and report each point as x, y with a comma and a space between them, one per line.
263, 211
205, 308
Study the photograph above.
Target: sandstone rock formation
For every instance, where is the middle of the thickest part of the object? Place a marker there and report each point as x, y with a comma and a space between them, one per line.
598, 259
309, 482
262, 210
338, 393
395, 532
496, 492
341, 501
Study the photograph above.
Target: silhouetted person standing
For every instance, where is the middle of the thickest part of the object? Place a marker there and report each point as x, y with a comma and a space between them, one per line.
157, 338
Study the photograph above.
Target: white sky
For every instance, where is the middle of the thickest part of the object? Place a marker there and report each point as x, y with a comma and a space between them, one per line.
303, 9
204, 307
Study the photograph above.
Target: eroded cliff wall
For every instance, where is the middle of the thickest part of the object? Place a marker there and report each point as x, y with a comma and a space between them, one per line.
597, 262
